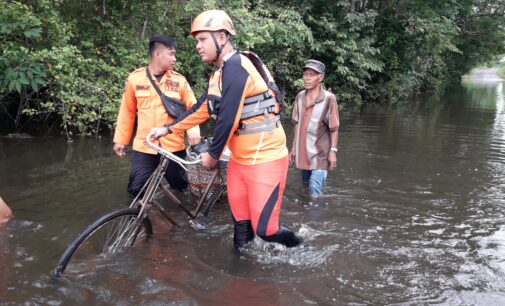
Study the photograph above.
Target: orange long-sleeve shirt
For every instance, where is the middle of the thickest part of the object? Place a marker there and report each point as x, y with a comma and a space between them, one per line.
141, 99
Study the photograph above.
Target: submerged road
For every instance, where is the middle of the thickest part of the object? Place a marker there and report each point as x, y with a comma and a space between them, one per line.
485, 75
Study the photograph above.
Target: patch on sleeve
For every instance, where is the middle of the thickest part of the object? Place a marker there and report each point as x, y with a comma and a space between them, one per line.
188, 88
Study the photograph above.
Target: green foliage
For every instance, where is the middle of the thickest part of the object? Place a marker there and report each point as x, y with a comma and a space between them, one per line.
19, 72
63, 63
53, 80
341, 43
18, 22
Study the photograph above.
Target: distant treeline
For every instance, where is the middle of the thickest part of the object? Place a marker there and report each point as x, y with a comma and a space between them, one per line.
63, 62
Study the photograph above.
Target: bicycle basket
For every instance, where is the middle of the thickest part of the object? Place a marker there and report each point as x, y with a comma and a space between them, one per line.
199, 176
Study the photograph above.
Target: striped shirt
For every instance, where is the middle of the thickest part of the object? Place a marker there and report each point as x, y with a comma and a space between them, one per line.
315, 122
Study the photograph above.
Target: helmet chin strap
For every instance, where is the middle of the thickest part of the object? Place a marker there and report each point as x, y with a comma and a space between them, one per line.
219, 49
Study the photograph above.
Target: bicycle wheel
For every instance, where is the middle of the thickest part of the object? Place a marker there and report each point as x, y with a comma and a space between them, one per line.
111, 234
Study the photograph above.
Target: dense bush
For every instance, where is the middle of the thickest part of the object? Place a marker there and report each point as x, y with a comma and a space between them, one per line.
63, 63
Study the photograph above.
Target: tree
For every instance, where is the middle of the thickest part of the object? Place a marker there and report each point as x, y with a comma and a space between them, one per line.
63, 63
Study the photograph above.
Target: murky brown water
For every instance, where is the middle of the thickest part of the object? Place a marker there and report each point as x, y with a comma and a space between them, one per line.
414, 214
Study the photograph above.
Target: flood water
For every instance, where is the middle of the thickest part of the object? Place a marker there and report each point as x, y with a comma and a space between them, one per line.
414, 214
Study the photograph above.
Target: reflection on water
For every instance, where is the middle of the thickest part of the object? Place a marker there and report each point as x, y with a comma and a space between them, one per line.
414, 214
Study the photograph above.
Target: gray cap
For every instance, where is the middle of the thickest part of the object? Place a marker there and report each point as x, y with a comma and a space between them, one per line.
316, 65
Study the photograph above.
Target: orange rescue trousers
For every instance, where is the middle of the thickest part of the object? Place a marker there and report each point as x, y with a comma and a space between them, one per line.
255, 195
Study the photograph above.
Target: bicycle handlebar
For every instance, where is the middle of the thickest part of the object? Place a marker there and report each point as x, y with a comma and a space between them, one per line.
169, 154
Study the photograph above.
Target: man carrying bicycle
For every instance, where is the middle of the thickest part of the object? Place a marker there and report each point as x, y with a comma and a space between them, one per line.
258, 163
142, 97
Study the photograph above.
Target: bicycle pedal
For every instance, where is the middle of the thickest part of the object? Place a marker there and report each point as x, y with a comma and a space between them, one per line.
196, 225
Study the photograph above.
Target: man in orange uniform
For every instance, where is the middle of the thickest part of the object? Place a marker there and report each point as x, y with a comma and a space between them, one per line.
246, 121
141, 99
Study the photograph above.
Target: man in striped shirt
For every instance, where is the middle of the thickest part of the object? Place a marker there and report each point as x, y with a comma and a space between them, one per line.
315, 114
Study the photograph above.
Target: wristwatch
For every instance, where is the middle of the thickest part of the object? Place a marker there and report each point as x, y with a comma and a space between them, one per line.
334, 149
167, 126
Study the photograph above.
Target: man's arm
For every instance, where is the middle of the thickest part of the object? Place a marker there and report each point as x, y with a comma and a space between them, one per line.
332, 156
197, 114
234, 81
333, 124
125, 120
194, 116
292, 153
294, 117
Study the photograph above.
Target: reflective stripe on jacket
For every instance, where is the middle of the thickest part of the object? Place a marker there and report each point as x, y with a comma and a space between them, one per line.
141, 99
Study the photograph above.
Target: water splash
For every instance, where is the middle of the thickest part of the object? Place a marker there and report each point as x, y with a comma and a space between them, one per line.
308, 254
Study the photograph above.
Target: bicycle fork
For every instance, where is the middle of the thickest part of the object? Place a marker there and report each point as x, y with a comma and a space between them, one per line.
131, 228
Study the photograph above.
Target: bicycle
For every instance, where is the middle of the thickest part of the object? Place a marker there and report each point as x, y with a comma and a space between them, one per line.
117, 231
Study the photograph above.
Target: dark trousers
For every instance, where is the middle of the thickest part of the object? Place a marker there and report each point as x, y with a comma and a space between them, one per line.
143, 165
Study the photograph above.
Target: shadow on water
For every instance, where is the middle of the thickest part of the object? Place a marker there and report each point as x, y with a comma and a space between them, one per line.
414, 214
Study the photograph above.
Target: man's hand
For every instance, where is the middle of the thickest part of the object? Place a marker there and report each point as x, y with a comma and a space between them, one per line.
119, 149
194, 139
208, 161
332, 158
292, 157
159, 132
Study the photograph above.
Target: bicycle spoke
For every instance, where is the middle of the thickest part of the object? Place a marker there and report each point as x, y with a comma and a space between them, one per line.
127, 235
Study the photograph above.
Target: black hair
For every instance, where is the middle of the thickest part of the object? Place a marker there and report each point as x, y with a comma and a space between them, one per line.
159, 39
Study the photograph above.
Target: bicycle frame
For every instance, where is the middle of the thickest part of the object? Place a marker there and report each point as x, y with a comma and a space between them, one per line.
148, 191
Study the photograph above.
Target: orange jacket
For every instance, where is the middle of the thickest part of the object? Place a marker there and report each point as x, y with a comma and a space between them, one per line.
142, 100
230, 85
